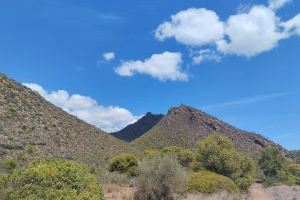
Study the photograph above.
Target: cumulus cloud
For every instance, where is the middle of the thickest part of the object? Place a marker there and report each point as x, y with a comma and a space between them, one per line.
164, 66
250, 32
203, 55
108, 118
193, 26
277, 4
108, 56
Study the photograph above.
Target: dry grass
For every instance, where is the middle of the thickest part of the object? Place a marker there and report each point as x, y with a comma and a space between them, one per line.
219, 196
115, 192
284, 192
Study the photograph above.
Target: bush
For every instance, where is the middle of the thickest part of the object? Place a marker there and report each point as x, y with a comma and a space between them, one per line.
53, 179
150, 153
208, 182
8, 165
125, 163
275, 167
271, 161
217, 153
244, 177
160, 177
184, 156
3, 185
295, 170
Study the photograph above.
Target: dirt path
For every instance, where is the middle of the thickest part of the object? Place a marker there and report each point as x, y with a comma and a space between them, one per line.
257, 192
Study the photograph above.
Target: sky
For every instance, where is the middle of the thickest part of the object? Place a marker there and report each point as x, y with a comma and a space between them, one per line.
109, 62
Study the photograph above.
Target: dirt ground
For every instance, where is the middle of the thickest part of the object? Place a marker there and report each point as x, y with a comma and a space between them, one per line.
256, 192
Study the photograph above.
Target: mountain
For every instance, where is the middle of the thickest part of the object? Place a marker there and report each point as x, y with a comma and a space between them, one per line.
184, 126
135, 130
32, 127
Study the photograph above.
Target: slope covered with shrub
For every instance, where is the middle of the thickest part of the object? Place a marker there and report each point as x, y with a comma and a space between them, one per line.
31, 127
184, 126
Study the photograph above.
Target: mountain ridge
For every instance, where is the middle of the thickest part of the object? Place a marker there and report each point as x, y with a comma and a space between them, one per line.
135, 130
184, 126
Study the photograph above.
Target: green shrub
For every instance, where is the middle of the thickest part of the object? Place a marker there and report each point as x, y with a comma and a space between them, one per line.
53, 179
8, 165
3, 186
148, 153
271, 161
160, 177
30, 148
184, 156
217, 153
244, 177
125, 163
209, 182
295, 170
275, 167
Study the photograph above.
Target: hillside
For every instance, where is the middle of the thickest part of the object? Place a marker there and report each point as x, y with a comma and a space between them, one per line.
135, 130
32, 127
294, 155
184, 126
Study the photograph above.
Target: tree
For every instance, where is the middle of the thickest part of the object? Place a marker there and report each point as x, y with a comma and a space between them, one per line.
53, 179
271, 161
125, 163
276, 167
218, 154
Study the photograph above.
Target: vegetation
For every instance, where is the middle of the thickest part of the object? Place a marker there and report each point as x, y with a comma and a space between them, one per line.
208, 182
8, 165
276, 168
160, 177
52, 179
125, 163
184, 156
217, 153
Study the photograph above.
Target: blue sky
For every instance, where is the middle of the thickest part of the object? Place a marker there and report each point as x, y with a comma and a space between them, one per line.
237, 60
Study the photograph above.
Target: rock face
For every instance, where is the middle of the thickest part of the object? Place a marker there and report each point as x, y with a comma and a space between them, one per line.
135, 130
184, 126
32, 127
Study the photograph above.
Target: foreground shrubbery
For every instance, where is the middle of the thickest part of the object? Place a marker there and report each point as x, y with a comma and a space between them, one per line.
217, 153
125, 163
208, 182
184, 156
51, 179
277, 169
165, 173
160, 177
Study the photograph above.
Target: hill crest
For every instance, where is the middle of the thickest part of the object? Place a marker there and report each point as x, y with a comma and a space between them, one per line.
184, 126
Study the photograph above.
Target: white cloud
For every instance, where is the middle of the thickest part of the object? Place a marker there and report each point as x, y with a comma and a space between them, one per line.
277, 4
164, 66
251, 33
108, 56
205, 55
292, 26
110, 118
195, 27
